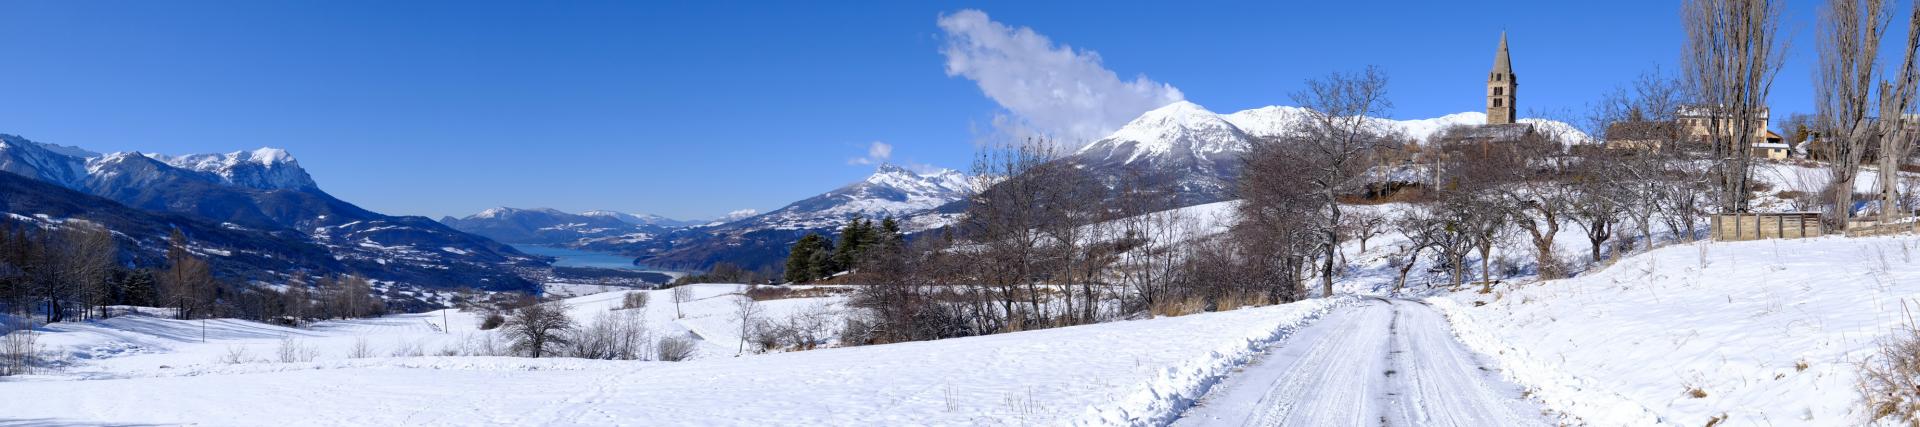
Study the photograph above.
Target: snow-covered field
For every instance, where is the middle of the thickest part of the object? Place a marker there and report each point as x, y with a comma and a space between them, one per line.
1131, 372
1771, 331
139, 346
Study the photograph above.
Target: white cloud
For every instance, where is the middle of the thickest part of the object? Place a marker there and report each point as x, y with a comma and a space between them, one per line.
1047, 90
878, 152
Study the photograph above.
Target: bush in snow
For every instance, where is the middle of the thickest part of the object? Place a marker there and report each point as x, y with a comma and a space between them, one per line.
360, 350
236, 355
19, 347
539, 329
612, 336
1890, 380
634, 300
292, 350
404, 348
674, 349
493, 320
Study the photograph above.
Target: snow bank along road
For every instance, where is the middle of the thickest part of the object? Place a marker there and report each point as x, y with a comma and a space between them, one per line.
1379, 362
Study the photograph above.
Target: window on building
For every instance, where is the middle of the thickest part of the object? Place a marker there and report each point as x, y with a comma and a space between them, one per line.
1496, 102
1499, 91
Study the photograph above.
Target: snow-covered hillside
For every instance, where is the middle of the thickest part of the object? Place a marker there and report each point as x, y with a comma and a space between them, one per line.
1769, 331
144, 370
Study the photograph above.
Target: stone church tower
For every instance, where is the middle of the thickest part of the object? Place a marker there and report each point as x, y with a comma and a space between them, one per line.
1500, 87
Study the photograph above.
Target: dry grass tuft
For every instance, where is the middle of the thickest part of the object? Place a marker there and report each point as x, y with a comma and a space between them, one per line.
1890, 380
1696, 392
1178, 306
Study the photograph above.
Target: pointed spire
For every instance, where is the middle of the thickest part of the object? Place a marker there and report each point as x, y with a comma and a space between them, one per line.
1501, 64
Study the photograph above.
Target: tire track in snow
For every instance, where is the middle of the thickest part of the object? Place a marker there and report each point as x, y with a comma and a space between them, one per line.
1382, 362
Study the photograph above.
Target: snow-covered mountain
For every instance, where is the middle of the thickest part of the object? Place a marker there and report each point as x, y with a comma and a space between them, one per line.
890, 191
761, 240
265, 168
267, 190
640, 219
545, 226
1182, 147
1195, 153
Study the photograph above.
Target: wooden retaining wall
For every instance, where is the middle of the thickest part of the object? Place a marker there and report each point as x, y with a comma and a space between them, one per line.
1756, 226
1871, 228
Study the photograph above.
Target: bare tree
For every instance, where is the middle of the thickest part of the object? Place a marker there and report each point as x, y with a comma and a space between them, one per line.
539, 329
1334, 142
1896, 130
86, 261
746, 309
1599, 196
1421, 229
1004, 219
1645, 111
1364, 225
1732, 54
187, 283
1849, 57
681, 294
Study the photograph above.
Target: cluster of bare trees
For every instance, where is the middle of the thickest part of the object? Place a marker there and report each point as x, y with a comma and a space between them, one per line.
1290, 214
538, 329
60, 273
1732, 54
1864, 114
1045, 243
77, 270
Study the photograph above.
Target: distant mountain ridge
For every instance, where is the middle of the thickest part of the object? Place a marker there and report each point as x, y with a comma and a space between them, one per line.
761, 240
268, 191
544, 226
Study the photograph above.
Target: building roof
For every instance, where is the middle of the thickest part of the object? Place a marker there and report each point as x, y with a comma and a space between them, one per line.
1502, 64
1703, 110
1489, 132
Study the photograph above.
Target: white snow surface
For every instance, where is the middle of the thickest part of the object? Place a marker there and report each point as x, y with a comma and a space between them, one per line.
149, 370
1623, 345
1380, 362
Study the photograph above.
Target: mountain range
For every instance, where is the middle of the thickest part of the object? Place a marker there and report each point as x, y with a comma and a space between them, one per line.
543, 226
252, 195
225, 200
1182, 148
745, 237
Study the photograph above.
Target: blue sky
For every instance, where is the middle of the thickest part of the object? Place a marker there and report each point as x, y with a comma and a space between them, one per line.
694, 109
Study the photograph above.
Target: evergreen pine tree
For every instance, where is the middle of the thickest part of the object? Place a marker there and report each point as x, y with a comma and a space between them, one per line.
140, 289
853, 240
802, 259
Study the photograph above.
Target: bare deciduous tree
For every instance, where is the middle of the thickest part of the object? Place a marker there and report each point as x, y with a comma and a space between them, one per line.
681, 294
538, 329
1896, 130
1849, 56
1332, 144
1732, 54
746, 309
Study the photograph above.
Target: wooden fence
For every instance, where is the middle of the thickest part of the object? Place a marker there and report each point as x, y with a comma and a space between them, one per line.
1755, 226
1873, 228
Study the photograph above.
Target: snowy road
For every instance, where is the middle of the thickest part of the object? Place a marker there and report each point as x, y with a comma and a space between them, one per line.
1382, 362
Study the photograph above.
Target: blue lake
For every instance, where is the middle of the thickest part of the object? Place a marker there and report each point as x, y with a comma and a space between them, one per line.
564, 257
